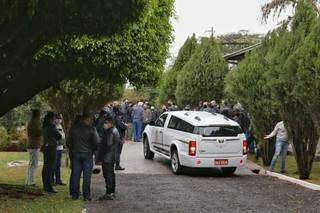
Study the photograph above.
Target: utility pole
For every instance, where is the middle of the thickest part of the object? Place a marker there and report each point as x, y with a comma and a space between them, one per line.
210, 31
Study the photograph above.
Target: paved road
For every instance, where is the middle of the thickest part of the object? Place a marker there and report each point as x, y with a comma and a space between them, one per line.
149, 186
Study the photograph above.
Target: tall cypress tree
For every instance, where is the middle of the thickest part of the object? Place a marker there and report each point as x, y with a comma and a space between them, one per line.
169, 80
285, 71
290, 74
202, 78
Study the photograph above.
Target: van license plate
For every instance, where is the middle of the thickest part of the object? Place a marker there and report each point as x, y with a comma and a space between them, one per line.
221, 162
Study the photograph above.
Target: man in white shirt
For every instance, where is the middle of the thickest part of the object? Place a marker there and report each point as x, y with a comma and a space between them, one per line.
282, 144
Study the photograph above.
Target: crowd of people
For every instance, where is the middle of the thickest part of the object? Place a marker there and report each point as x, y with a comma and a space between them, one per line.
99, 140
88, 137
51, 130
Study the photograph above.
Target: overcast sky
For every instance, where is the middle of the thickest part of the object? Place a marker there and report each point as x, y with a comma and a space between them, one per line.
225, 16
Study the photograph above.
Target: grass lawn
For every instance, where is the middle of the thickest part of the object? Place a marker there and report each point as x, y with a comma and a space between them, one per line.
59, 202
291, 168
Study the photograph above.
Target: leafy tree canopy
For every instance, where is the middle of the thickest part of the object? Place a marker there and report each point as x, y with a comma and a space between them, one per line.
75, 97
138, 54
26, 26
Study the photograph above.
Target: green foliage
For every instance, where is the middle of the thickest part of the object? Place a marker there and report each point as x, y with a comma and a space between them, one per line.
248, 85
75, 97
138, 50
137, 54
283, 76
20, 116
4, 139
85, 16
148, 94
202, 78
277, 7
168, 85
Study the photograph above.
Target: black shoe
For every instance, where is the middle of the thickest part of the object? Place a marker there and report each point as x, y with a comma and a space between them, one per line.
61, 184
283, 171
119, 168
51, 191
74, 197
87, 199
107, 197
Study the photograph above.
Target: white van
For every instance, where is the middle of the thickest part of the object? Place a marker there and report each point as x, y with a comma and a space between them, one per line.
197, 140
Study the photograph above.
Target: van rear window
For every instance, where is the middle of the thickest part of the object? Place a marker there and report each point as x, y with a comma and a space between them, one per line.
220, 131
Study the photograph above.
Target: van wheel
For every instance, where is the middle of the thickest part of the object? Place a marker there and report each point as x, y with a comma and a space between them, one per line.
175, 163
146, 149
228, 171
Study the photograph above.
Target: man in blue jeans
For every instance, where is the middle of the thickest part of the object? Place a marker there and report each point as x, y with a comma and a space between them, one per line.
137, 118
83, 141
282, 144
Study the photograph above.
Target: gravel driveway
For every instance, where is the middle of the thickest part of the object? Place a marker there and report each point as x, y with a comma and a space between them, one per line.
152, 188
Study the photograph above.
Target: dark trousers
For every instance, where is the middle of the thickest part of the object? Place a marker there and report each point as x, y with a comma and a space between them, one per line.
118, 153
57, 166
81, 163
71, 175
109, 177
49, 158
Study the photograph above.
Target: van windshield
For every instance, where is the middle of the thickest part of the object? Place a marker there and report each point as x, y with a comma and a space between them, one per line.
220, 131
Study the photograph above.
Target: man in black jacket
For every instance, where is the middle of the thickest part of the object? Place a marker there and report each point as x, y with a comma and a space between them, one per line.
83, 141
106, 154
121, 127
51, 136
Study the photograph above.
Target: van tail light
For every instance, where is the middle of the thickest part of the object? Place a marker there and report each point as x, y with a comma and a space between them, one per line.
245, 147
192, 148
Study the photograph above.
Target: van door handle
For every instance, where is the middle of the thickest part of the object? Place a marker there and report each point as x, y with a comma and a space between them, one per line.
161, 132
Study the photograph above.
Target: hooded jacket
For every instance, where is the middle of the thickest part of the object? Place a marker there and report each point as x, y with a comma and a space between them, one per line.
110, 141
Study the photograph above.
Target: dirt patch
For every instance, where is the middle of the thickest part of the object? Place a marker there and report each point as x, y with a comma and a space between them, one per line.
20, 192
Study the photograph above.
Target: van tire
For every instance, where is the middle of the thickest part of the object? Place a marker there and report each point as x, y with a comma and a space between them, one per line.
175, 165
148, 154
228, 171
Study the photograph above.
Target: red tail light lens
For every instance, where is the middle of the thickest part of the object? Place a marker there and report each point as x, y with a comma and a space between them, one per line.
245, 147
192, 148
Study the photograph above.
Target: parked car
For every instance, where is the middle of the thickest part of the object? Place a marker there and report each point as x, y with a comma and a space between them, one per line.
196, 140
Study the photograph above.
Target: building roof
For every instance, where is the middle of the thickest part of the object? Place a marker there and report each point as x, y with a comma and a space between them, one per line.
200, 118
237, 56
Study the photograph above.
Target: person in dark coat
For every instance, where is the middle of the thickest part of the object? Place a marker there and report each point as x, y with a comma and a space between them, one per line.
75, 123
106, 155
121, 127
100, 121
51, 136
154, 116
83, 141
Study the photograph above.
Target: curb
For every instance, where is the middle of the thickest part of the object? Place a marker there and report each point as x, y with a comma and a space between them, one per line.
305, 184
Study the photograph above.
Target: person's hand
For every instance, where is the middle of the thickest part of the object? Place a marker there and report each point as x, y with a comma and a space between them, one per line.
266, 137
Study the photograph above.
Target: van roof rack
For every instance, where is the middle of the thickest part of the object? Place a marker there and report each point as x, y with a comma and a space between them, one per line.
197, 118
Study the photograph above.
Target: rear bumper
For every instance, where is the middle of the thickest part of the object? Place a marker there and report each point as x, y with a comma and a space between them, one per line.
195, 162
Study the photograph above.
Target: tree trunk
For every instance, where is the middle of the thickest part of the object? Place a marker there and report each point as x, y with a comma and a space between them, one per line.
305, 139
267, 151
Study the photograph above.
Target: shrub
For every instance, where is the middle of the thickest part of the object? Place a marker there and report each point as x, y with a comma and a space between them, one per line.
18, 141
4, 139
